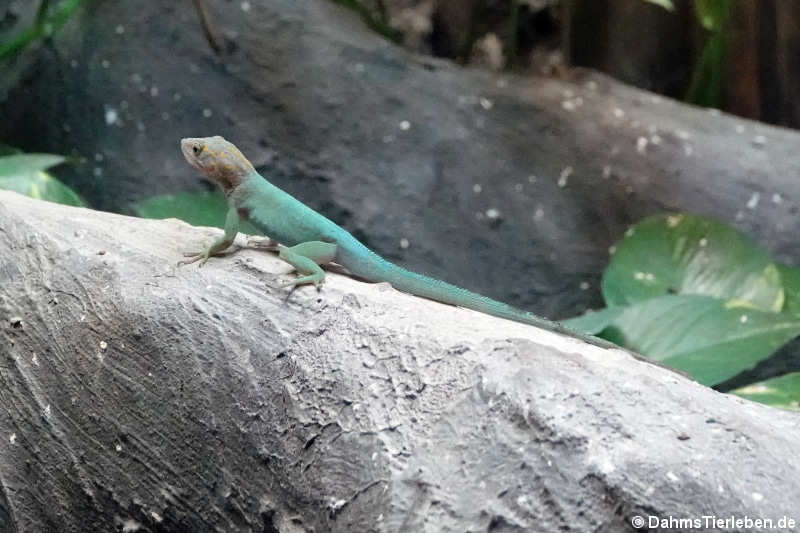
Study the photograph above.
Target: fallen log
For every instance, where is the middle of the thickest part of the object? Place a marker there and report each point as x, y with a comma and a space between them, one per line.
138, 396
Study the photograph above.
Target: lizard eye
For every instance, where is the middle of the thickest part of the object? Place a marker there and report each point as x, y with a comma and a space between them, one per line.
197, 149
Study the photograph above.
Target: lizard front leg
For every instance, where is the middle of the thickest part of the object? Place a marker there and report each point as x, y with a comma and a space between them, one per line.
219, 245
306, 258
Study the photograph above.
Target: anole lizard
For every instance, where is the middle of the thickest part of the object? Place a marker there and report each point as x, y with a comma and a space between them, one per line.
308, 239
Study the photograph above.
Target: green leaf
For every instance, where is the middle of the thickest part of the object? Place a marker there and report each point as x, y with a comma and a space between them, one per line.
25, 174
594, 322
196, 208
790, 277
711, 13
705, 337
687, 254
18, 164
666, 4
783, 391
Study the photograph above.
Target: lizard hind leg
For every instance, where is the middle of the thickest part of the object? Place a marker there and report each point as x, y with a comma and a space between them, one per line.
306, 258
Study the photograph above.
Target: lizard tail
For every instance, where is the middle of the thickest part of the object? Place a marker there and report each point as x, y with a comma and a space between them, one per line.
367, 264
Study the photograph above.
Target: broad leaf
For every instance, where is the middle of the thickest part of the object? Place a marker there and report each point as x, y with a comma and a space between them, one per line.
703, 336
594, 322
25, 174
196, 208
686, 254
790, 277
783, 391
666, 4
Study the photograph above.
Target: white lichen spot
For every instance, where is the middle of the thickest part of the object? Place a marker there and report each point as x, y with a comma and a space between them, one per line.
118, 447
743, 319
612, 250
477, 188
111, 116
531, 178
606, 171
739, 128
129, 525
245, 6
688, 149
486, 103
35, 360
629, 232
703, 242
404, 243
564, 176
359, 68
518, 187
638, 276
103, 345
492, 213
120, 29
720, 489
105, 63
177, 97
649, 276
405, 125
591, 85
673, 220
538, 214
618, 113
207, 113
98, 157
752, 203
97, 171
584, 285
655, 139
641, 144
12, 438
156, 517
568, 105
757, 496
47, 411
672, 477
153, 91
682, 135
776, 198
759, 141
335, 505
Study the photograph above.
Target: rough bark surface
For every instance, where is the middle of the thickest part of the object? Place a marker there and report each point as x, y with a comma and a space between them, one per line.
141, 397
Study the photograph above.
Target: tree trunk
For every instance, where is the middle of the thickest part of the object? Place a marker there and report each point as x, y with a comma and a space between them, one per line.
142, 397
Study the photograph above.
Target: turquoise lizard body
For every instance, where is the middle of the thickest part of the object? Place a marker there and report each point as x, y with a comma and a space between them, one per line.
308, 239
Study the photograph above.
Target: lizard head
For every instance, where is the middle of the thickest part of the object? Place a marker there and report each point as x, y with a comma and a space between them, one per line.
218, 159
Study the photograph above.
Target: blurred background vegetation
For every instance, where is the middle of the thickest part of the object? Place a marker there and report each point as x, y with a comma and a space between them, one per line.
736, 56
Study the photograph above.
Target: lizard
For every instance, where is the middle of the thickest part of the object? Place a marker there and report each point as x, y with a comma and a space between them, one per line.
307, 239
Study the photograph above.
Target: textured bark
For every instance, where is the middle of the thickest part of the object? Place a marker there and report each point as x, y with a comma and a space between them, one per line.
138, 395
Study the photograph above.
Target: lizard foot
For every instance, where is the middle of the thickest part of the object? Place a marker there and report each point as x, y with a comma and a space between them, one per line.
193, 257
263, 243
